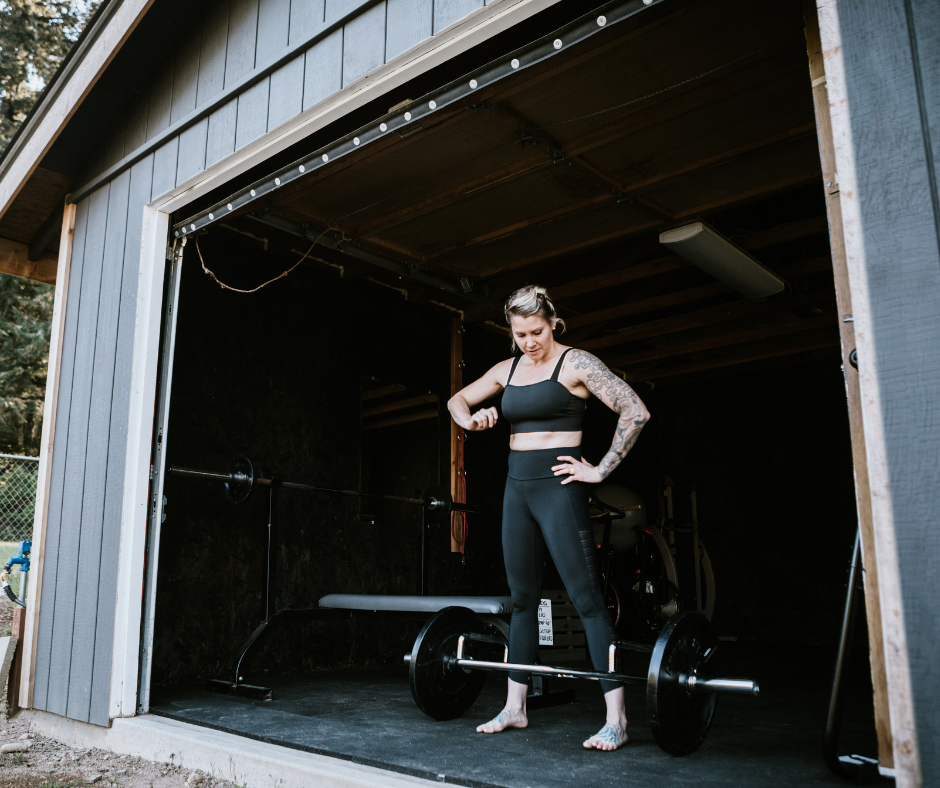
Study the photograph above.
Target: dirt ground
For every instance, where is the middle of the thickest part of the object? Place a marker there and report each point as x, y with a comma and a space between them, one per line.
47, 763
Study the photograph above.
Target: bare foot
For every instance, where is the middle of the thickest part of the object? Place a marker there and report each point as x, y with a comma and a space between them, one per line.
505, 719
608, 738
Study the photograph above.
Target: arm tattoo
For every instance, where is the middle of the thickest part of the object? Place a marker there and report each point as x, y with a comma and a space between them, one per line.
617, 396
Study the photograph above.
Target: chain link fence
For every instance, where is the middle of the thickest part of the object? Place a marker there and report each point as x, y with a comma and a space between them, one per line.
17, 496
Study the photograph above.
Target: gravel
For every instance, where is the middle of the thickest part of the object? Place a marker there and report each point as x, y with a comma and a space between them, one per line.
47, 763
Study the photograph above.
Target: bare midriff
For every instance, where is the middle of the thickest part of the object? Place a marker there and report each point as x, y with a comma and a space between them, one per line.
533, 441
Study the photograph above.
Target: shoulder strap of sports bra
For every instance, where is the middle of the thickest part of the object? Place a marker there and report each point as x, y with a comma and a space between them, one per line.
559, 364
512, 369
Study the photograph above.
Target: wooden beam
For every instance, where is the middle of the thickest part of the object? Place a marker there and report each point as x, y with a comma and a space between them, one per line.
784, 183
815, 225
519, 262
382, 391
724, 313
725, 85
688, 295
448, 196
876, 647
789, 232
399, 405
14, 260
716, 159
810, 343
524, 224
738, 337
426, 415
660, 265
46, 449
675, 298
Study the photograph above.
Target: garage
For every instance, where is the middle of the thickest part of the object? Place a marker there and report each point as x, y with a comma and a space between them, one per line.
282, 235
398, 244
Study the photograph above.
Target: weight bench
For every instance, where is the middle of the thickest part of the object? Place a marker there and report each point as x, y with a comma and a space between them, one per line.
490, 610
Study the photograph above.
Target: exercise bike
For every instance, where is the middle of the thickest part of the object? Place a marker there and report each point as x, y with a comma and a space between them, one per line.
643, 592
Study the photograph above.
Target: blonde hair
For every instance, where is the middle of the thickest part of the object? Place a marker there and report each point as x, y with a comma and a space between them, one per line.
532, 300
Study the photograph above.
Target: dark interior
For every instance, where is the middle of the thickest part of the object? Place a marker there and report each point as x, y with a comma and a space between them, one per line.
338, 374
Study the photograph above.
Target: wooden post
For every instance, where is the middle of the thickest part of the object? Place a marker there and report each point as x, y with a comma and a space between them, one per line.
16, 669
456, 445
846, 326
27, 645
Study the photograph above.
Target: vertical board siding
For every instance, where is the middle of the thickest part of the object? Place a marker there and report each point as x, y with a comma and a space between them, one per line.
323, 69
186, 77
165, 166
136, 129
91, 517
50, 560
446, 12
76, 621
161, 102
242, 39
409, 23
237, 37
221, 133
287, 93
211, 79
364, 44
139, 194
896, 232
306, 16
69, 591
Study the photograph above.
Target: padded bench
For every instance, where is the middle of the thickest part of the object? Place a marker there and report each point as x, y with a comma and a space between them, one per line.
399, 603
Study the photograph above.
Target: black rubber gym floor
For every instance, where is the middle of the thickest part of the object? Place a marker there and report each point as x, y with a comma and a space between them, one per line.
368, 716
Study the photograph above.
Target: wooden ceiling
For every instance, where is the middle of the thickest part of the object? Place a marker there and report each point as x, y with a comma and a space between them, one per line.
565, 174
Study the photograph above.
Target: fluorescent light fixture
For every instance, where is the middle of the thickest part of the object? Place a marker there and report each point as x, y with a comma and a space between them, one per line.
701, 245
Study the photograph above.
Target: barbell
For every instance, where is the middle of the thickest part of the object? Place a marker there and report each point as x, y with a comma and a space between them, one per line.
241, 478
681, 686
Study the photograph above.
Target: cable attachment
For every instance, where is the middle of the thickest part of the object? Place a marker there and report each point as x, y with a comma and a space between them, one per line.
526, 137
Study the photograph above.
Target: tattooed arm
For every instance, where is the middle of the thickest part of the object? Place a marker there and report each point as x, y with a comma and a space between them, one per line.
593, 374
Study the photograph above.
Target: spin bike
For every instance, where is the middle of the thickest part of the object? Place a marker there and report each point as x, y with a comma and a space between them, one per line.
642, 592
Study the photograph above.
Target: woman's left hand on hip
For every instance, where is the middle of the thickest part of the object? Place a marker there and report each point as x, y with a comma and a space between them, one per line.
577, 471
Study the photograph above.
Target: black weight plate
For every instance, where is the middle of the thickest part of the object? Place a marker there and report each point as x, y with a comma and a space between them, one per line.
439, 514
679, 720
239, 487
442, 690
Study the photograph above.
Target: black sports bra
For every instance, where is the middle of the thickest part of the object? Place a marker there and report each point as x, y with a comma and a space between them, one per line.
546, 406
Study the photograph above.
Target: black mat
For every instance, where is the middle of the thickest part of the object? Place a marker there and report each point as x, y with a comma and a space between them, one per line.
369, 717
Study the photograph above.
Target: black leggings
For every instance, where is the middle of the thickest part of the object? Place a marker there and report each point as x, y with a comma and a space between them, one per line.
539, 511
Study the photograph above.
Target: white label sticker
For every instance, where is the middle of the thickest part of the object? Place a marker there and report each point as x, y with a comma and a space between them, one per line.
546, 635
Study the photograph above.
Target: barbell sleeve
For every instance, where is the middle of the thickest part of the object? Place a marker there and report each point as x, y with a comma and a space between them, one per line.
730, 686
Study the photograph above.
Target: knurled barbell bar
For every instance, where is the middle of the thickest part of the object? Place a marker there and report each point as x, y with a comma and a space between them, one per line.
681, 688
241, 479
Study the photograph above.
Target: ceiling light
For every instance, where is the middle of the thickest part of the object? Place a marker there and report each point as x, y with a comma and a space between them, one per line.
701, 245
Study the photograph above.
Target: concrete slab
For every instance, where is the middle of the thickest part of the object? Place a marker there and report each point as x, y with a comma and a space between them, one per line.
242, 761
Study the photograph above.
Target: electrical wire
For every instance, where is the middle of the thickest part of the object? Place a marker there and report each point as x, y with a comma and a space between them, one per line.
256, 289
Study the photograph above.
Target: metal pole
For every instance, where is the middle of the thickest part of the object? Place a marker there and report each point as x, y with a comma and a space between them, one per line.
837, 699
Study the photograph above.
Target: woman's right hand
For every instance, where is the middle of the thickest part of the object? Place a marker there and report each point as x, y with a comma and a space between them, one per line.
483, 419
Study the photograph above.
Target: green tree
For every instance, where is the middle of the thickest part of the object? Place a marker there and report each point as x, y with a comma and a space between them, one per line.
25, 321
35, 35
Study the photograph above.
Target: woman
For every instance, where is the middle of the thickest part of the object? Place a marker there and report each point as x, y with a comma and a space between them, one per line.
546, 387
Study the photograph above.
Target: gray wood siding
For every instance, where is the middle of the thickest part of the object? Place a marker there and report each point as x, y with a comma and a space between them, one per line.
79, 592
893, 89
236, 38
